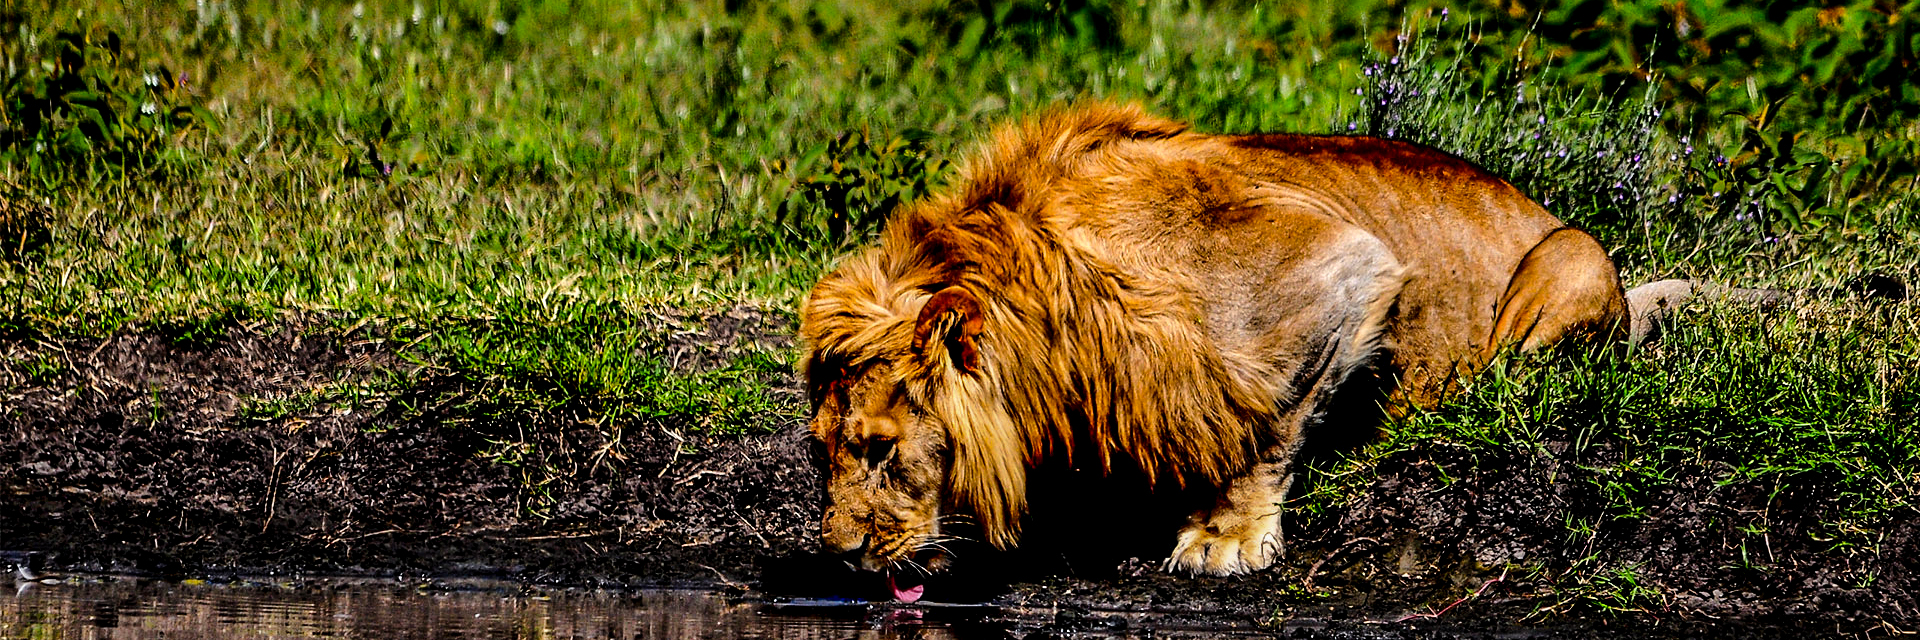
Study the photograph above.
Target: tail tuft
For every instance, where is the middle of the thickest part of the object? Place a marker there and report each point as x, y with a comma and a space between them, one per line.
1878, 286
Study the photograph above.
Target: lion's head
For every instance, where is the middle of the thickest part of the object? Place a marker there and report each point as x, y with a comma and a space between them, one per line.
884, 397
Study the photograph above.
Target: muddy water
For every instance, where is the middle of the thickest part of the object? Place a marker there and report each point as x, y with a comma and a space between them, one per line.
127, 608
89, 608
97, 607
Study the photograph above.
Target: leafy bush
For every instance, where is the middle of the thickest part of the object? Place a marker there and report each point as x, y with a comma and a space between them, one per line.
861, 182
1588, 158
1800, 113
1625, 163
976, 24
79, 106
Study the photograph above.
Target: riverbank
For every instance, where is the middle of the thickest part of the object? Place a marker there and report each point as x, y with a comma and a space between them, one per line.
312, 446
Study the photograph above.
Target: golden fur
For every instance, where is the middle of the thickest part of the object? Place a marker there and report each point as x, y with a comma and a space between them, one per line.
1104, 287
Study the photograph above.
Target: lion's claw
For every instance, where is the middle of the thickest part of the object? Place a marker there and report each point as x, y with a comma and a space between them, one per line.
1200, 552
1242, 545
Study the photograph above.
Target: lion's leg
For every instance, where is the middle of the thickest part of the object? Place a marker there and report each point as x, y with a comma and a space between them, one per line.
1565, 287
1241, 533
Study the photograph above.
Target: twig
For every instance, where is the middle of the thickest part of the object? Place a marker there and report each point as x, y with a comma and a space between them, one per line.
750, 529
679, 442
273, 489
1476, 593
96, 349
567, 536
697, 474
1315, 569
723, 577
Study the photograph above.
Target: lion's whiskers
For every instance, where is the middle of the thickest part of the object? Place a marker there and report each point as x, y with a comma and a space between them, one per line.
917, 566
958, 518
951, 537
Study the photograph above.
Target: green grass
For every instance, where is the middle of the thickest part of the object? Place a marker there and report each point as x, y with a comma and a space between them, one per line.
1816, 404
482, 160
519, 184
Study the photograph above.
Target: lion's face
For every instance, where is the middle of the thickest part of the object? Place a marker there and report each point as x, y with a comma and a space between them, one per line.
887, 463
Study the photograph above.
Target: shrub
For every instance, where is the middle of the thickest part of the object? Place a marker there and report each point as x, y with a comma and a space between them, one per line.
79, 107
860, 182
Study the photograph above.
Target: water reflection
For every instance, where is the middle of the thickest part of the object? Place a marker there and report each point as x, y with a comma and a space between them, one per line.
127, 608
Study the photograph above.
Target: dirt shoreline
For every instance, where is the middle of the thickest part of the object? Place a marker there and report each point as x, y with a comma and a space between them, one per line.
140, 454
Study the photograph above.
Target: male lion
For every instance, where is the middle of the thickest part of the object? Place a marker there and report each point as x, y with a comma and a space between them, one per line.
1104, 287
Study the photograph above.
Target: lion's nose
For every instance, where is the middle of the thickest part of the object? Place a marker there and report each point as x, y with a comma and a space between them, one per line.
845, 544
841, 539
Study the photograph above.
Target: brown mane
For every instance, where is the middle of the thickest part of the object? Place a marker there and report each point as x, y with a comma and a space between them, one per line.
1077, 349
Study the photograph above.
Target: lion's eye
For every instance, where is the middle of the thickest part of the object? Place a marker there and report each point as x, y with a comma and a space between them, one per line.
877, 451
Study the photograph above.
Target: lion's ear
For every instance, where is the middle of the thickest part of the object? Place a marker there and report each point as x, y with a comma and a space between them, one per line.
951, 320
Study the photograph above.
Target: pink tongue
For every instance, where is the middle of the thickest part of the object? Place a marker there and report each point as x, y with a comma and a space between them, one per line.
908, 595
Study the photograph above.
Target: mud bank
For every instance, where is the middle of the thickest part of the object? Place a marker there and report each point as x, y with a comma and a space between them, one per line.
140, 453
144, 455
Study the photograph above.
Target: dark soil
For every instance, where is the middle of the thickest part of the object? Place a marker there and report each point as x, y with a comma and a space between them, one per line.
141, 453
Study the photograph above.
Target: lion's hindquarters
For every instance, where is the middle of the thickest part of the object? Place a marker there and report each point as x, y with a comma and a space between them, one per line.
1565, 288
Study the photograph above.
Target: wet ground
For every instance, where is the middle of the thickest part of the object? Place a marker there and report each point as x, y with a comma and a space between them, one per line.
139, 454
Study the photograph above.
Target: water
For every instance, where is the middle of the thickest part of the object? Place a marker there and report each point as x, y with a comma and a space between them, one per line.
111, 608
104, 607
128, 608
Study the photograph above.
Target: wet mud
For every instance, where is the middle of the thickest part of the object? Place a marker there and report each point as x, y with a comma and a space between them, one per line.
143, 454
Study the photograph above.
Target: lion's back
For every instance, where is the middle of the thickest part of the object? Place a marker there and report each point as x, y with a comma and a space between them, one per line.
1212, 210
1460, 231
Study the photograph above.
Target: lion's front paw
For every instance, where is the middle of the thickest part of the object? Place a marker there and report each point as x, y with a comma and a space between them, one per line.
1228, 542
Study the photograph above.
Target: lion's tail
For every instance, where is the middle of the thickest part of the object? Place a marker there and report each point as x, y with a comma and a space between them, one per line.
1651, 305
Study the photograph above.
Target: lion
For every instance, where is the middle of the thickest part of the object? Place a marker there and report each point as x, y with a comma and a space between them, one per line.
1109, 288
